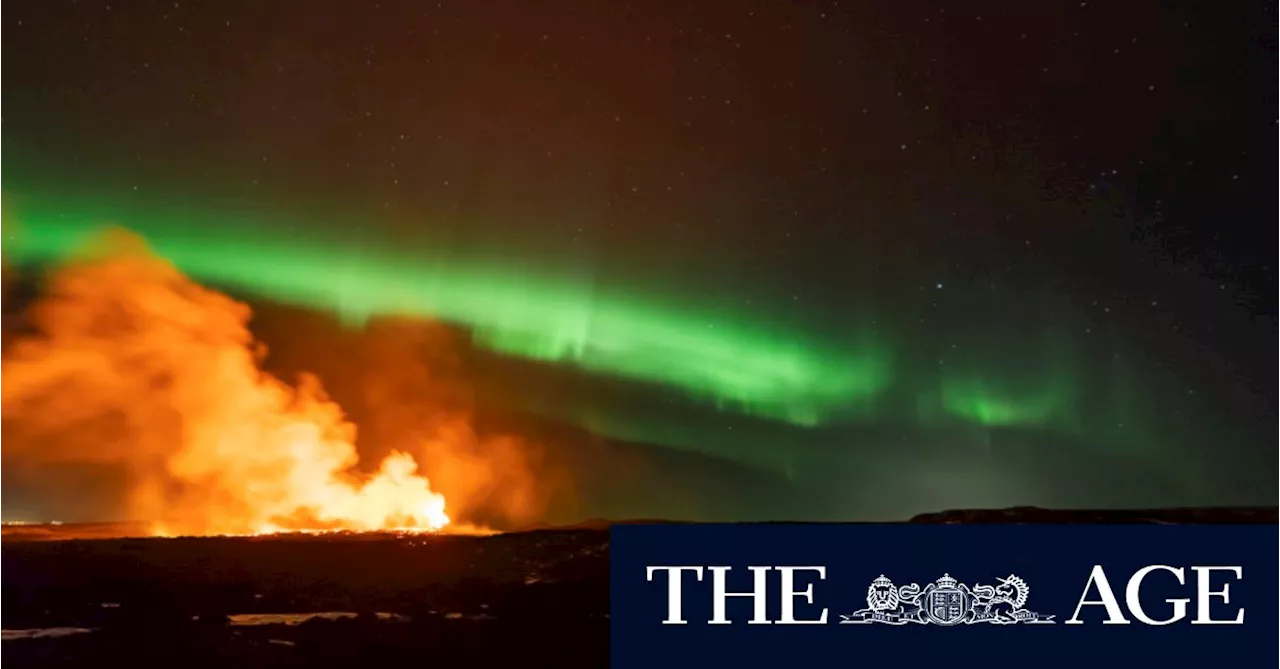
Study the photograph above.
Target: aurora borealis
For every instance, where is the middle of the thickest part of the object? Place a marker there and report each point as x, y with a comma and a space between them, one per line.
773, 374
730, 261
735, 365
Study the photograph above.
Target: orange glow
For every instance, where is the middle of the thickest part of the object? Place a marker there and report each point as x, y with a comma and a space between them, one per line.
164, 372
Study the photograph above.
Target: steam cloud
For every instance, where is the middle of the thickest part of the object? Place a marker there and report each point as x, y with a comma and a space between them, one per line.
132, 368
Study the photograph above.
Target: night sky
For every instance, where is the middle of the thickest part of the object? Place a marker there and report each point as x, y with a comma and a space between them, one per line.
724, 259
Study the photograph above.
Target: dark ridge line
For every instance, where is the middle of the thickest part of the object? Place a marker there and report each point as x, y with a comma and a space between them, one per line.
1227, 515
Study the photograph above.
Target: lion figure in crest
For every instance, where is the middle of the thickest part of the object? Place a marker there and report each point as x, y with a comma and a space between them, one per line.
882, 595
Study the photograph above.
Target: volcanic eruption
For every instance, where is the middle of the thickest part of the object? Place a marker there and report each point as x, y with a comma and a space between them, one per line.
123, 362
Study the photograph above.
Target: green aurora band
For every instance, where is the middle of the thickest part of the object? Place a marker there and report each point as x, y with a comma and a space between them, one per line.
735, 365
739, 362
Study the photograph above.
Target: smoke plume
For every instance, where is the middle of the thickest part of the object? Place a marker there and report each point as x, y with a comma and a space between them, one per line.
128, 366
416, 400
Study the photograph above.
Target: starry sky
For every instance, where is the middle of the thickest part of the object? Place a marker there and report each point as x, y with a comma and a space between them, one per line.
732, 259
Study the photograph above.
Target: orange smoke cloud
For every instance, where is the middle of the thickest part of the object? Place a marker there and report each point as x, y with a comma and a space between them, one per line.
417, 402
132, 365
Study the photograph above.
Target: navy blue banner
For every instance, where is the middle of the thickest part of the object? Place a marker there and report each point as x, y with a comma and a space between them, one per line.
943, 595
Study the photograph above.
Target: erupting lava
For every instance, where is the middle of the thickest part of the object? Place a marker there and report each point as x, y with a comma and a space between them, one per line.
396, 498
131, 365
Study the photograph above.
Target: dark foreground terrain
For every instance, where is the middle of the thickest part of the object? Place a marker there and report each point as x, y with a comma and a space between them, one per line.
529, 599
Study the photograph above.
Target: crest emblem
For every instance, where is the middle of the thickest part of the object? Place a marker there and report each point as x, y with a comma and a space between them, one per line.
947, 602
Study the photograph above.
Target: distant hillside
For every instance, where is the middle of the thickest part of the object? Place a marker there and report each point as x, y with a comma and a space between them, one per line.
1026, 515
1174, 516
